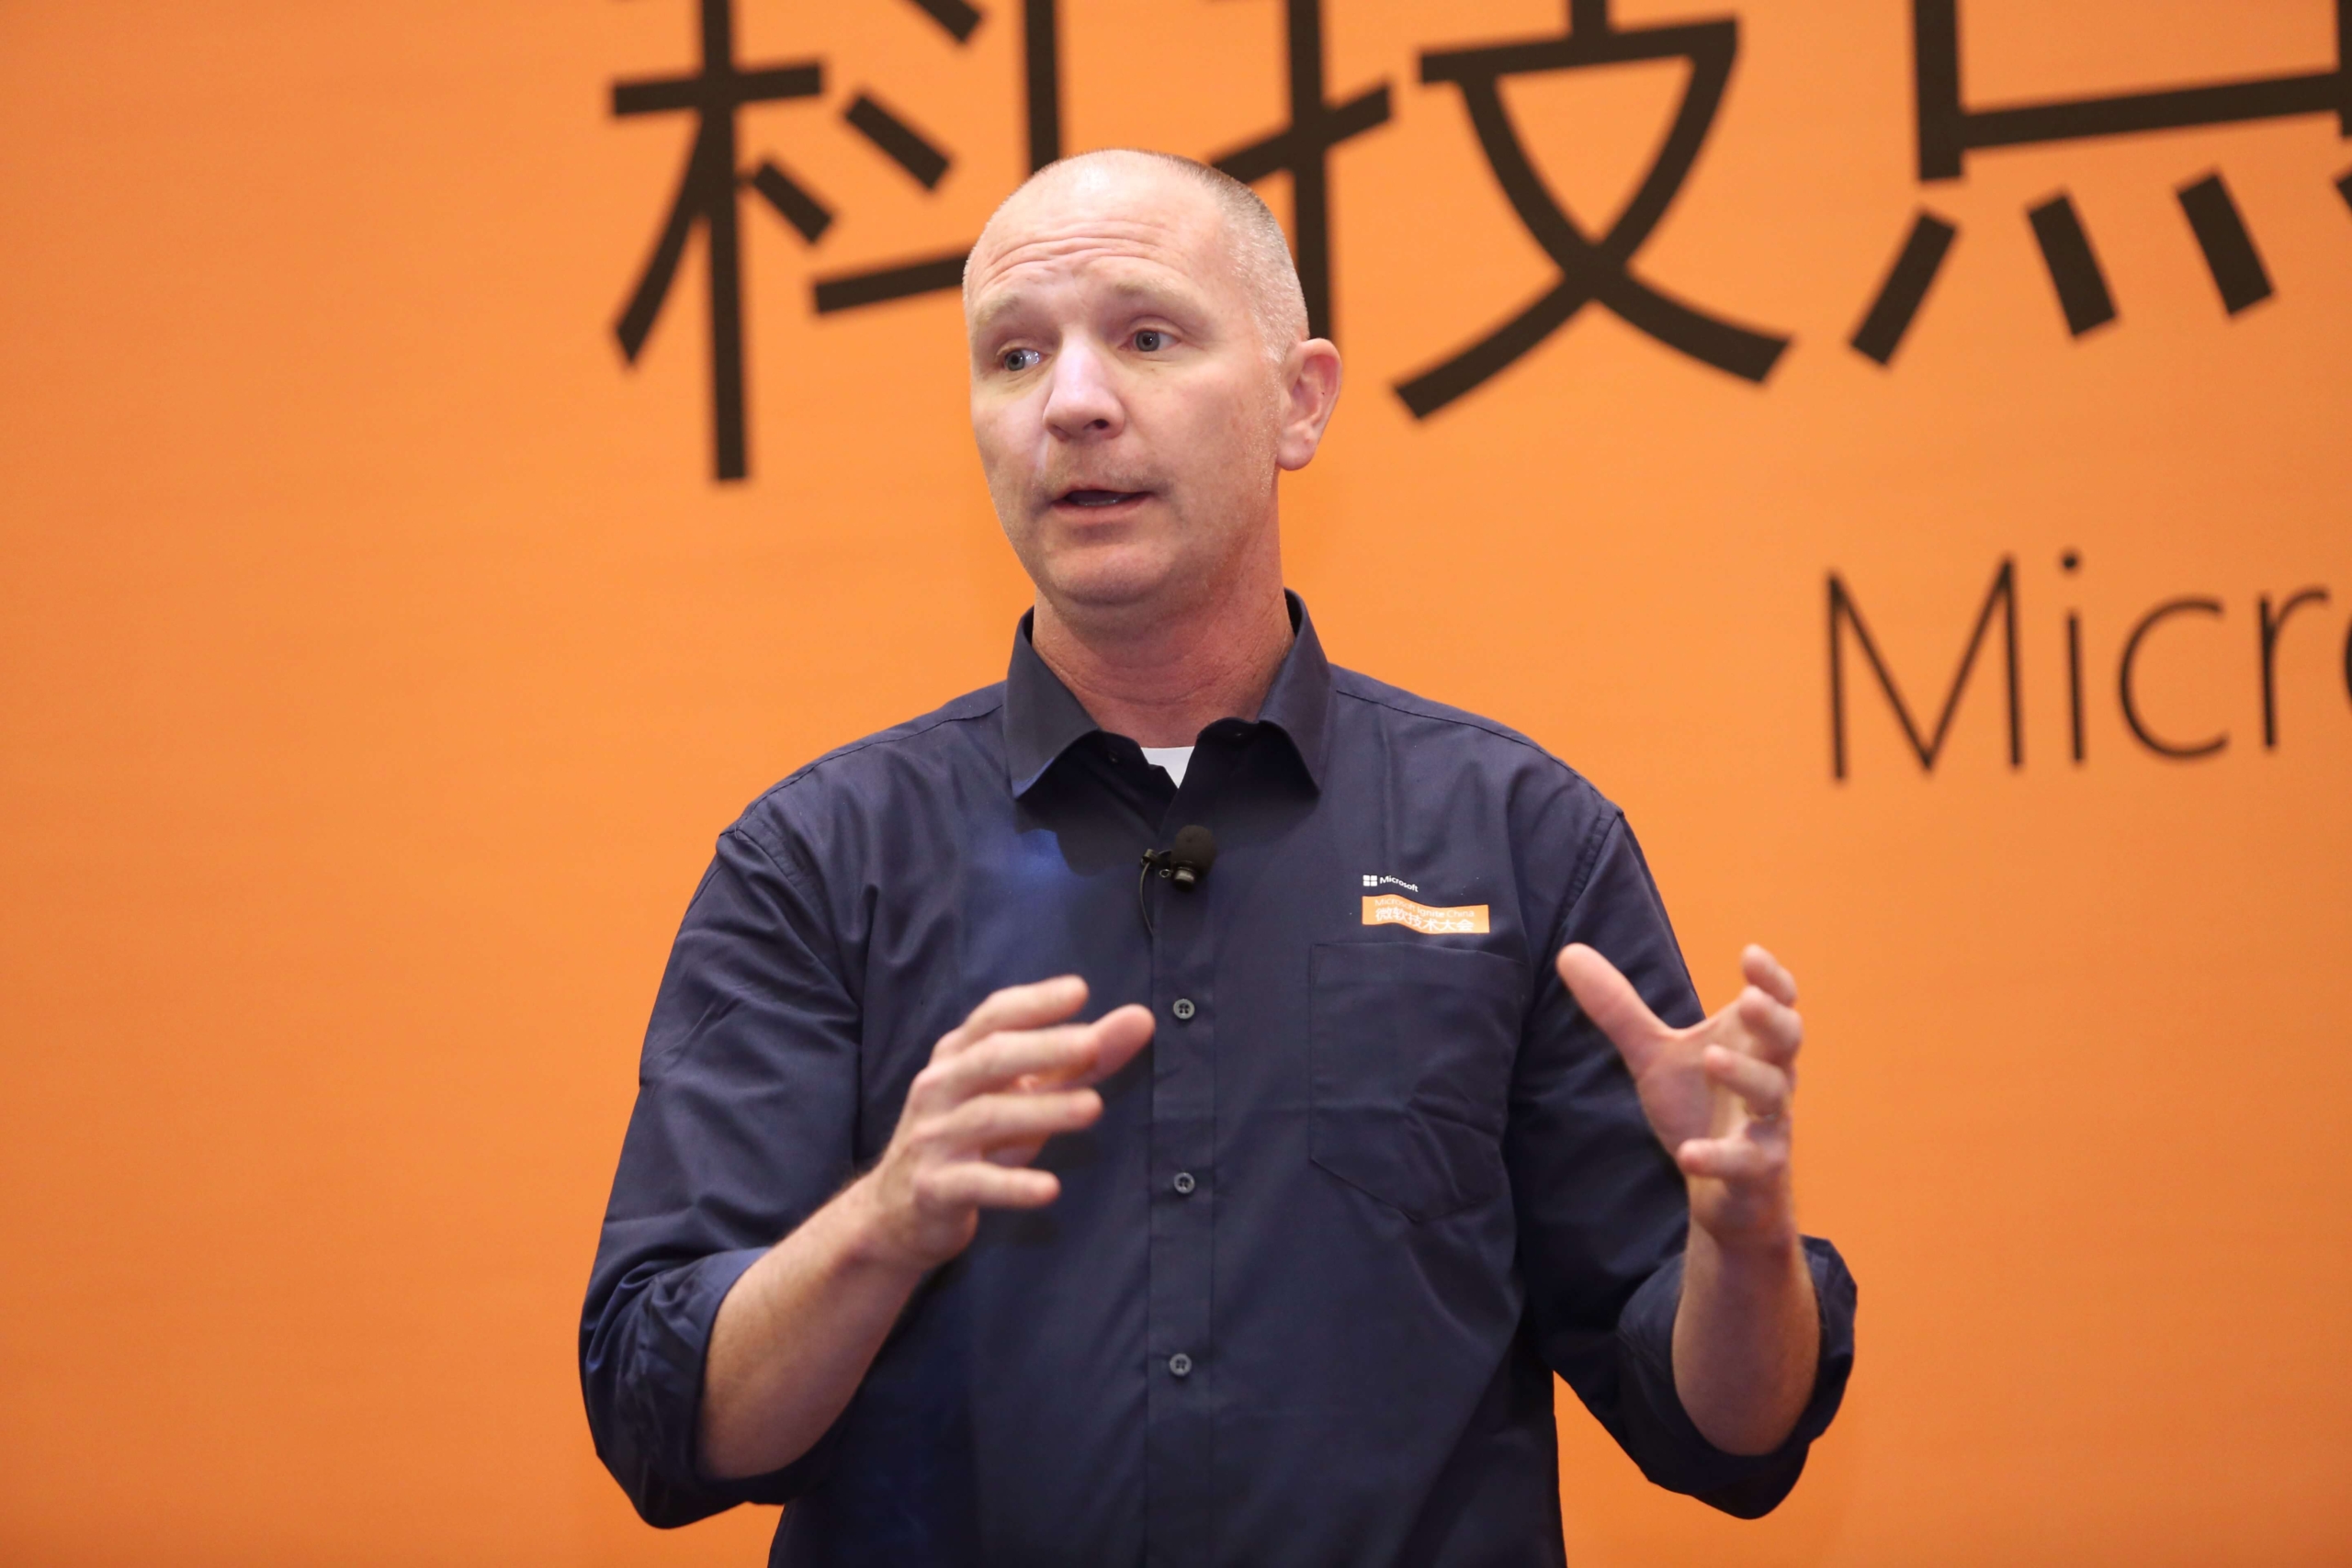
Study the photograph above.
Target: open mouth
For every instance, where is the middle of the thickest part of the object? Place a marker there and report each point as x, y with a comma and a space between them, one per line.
1100, 500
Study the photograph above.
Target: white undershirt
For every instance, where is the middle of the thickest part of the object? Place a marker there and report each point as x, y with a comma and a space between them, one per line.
1172, 758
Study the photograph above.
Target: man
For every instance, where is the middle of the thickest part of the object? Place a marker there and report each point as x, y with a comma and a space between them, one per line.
1272, 1261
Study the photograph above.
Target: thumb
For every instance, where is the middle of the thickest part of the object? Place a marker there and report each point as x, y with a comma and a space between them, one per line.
1611, 1001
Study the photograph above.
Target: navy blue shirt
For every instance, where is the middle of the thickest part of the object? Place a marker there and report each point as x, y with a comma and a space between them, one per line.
1374, 1181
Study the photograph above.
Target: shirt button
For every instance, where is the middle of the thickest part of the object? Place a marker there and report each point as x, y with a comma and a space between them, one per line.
1184, 1009
1183, 1184
1180, 1365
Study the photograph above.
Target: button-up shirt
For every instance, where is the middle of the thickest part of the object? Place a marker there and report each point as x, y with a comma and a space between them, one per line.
1374, 1181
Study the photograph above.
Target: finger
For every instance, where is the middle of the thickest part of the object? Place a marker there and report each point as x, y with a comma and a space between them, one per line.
1032, 1005
1117, 1036
993, 1121
976, 1184
1107, 1044
1763, 971
1742, 1162
1067, 1057
1762, 1087
1005, 1058
1776, 1030
1611, 1001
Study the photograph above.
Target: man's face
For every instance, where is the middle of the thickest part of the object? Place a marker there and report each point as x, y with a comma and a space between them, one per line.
1127, 410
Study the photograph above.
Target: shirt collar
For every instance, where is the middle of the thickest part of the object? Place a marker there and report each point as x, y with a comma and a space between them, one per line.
1041, 719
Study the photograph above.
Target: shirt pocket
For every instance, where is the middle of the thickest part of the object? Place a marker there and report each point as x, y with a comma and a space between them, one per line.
1409, 1059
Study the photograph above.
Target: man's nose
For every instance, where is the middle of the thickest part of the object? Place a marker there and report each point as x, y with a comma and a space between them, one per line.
1083, 403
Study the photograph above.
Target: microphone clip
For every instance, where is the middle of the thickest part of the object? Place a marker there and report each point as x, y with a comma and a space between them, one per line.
1184, 863
1183, 872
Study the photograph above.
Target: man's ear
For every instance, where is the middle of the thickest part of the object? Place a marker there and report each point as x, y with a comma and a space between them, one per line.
1310, 391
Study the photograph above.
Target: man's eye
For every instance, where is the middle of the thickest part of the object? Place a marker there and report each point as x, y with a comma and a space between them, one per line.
1018, 359
1151, 340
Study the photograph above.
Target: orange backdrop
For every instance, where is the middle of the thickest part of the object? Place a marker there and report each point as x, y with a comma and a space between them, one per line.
379, 657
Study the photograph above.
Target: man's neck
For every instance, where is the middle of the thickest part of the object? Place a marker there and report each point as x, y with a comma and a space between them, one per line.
1162, 681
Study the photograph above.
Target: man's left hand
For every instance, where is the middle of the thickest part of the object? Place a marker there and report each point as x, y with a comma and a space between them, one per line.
1717, 1093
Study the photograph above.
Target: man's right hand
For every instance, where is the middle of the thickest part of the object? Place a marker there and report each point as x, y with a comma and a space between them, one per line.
797, 1331
997, 1086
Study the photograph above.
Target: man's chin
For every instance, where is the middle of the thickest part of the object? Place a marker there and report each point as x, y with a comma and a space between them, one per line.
1109, 579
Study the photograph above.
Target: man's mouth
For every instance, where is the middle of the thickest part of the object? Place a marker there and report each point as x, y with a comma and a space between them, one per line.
1098, 500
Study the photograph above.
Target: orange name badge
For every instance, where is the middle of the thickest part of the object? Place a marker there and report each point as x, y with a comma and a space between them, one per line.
1391, 910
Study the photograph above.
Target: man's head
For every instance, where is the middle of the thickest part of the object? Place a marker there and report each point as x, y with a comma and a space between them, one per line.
1141, 373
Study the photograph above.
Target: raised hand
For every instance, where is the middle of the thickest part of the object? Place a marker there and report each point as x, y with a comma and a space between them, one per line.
1717, 1093
997, 1086
800, 1328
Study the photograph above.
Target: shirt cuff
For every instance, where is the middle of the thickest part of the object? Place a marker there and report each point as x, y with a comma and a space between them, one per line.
1662, 1437
650, 1444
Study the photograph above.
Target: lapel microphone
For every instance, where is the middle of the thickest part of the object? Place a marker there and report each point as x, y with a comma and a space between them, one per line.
1185, 863
1188, 859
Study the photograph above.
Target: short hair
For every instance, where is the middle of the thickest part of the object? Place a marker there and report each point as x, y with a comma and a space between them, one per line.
1254, 237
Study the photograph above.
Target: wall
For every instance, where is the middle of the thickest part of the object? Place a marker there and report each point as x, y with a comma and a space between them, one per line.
380, 655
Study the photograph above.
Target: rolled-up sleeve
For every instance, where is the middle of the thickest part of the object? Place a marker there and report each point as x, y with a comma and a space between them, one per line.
1603, 1212
746, 1107
1659, 1433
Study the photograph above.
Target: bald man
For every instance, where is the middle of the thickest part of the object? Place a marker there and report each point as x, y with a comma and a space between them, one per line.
1182, 1104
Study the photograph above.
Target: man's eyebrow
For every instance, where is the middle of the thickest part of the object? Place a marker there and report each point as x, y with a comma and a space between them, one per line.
993, 310
1177, 292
